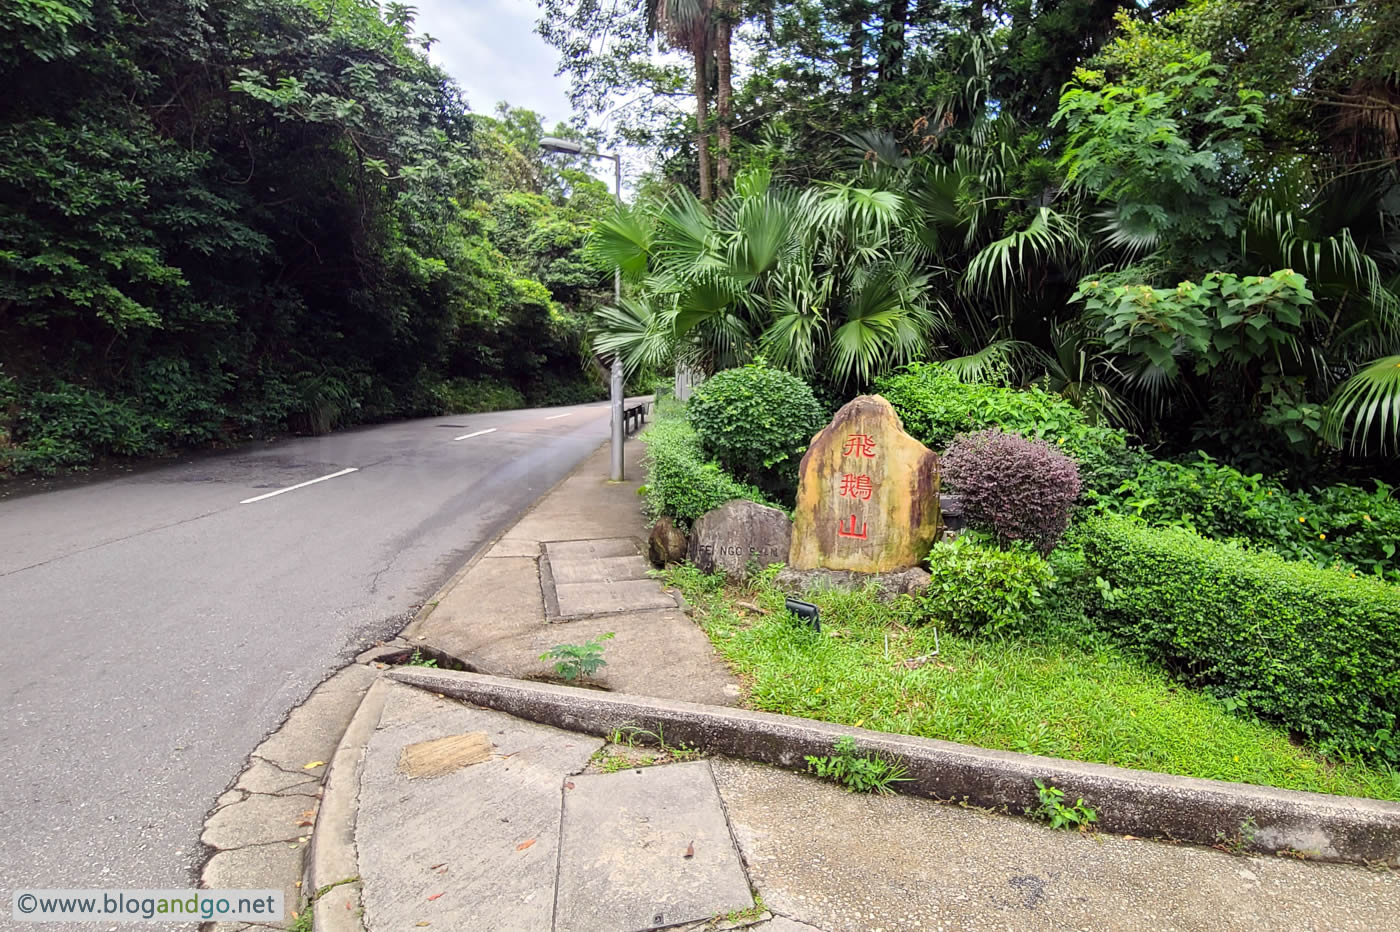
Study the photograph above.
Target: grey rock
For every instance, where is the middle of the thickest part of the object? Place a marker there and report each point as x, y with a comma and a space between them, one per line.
739, 534
667, 544
907, 581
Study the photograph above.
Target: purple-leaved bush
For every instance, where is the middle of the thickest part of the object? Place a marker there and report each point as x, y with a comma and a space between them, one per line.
1016, 488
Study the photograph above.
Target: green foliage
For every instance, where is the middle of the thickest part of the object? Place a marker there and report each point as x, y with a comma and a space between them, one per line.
1307, 647
1053, 811
935, 407
820, 282
417, 659
1335, 525
756, 422
981, 588
1070, 696
681, 481
469, 396
573, 661
858, 773
1166, 158
219, 222
1226, 320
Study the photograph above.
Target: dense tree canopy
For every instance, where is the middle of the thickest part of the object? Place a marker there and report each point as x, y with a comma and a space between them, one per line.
219, 220
1183, 215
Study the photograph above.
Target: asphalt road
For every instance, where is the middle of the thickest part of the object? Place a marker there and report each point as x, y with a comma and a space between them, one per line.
157, 626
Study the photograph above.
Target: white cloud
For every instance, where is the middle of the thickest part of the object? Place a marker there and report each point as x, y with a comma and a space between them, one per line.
491, 49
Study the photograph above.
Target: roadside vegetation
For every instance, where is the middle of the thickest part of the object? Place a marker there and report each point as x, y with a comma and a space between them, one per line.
231, 220
1103, 605
1064, 692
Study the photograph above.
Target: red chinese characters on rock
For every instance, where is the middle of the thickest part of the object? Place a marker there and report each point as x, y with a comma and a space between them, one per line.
859, 445
843, 530
854, 485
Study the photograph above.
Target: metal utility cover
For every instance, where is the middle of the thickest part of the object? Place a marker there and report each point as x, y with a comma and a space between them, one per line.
646, 848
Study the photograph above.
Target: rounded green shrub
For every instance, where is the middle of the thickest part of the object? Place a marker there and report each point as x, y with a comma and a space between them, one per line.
980, 588
756, 422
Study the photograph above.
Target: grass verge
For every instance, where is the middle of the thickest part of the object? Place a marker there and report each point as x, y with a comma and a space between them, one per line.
1061, 696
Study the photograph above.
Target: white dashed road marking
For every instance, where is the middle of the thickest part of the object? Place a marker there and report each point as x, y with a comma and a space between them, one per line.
299, 485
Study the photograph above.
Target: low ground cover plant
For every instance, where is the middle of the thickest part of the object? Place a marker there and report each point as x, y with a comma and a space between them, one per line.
1066, 694
575, 661
1311, 648
859, 773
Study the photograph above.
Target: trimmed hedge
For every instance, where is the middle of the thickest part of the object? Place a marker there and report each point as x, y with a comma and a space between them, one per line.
935, 407
1340, 523
1312, 648
681, 482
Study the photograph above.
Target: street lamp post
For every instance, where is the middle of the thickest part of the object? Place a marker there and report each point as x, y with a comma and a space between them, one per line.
570, 147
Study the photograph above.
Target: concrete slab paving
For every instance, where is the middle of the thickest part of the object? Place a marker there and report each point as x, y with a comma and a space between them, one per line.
257, 820
841, 861
598, 569
476, 848
259, 867
646, 848
611, 597
592, 549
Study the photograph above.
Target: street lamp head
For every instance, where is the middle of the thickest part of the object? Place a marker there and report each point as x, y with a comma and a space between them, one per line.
555, 144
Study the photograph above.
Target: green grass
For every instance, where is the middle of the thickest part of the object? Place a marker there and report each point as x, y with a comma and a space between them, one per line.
1062, 697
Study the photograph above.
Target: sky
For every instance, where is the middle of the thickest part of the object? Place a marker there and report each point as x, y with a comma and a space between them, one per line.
490, 47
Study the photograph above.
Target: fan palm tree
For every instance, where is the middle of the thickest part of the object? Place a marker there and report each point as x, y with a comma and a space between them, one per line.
691, 26
820, 282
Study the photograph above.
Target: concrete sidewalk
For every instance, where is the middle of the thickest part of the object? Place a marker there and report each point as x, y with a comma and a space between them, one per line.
441, 815
496, 619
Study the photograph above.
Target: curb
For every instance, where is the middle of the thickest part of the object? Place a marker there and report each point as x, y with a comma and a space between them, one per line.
1135, 802
333, 858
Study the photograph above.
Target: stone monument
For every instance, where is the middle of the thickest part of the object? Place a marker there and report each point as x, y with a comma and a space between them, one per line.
738, 534
867, 498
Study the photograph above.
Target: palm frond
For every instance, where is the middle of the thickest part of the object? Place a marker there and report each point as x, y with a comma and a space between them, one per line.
640, 331
999, 358
1369, 400
622, 238
1050, 238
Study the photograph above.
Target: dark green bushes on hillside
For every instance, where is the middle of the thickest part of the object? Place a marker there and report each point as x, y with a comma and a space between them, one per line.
681, 481
1311, 648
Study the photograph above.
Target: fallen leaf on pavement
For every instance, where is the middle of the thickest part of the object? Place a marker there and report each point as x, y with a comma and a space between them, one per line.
307, 818
690, 850
569, 785
524, 844
313, 765
436, 866
435, 896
